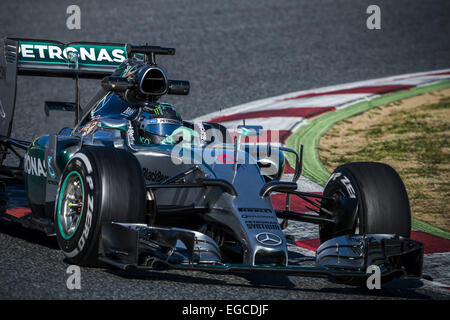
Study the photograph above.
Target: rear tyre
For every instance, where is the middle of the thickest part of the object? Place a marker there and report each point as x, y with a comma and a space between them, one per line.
98, 185
383, 205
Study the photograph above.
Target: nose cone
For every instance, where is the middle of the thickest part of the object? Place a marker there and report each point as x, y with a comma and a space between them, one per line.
261, 234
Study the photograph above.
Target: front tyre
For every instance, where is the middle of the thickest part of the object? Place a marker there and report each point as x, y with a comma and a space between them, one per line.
98, 185
383, 205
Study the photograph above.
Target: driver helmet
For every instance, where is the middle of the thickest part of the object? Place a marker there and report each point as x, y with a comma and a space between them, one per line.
157, 122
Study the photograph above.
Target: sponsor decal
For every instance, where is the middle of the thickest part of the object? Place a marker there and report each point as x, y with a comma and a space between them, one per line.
334, 176
262, 225
345, 181
89, 127
130, 133
129, 111
34, 166
155, 175
255, 210
50, 168
158, 111
128, 71
245, 216
269, 239
89, 54
90, 206
165, 121
348, 185
87, 223
144, 140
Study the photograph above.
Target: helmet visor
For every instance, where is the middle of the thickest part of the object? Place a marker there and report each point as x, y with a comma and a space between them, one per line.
158, 129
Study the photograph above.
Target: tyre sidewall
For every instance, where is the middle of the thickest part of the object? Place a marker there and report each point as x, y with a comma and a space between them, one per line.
383, 205
81, 243
343, 182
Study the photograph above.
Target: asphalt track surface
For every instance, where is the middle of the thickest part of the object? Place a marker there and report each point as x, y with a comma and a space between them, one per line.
232, 52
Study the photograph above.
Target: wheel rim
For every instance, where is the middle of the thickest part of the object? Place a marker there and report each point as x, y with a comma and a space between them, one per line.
70, 204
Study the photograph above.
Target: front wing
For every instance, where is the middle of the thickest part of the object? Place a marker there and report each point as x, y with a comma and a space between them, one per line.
128, 246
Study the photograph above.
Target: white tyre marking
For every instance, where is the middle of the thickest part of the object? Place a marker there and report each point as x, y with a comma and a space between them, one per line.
72, 253
85, 161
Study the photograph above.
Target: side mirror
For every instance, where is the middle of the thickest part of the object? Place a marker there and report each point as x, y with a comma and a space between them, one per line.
244, 130
112, 123
180, 87
116, 84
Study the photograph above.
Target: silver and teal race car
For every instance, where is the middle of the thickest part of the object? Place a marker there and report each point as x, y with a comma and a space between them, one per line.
133, 185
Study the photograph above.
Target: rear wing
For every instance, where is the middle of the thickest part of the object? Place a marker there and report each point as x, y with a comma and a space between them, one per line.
47, 58
53, 58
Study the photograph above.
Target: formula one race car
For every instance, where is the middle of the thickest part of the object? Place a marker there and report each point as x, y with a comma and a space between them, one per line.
133, 185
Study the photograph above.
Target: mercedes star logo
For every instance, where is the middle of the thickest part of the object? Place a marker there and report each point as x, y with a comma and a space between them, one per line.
268, 239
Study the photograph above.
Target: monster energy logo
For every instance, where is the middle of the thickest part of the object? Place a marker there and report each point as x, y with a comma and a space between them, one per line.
89, 54
158, 111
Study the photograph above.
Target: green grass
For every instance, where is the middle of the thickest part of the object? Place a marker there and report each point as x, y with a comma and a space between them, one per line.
428, 150
309, 134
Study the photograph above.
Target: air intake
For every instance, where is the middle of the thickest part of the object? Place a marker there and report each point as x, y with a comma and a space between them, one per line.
153, 81
271, 258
